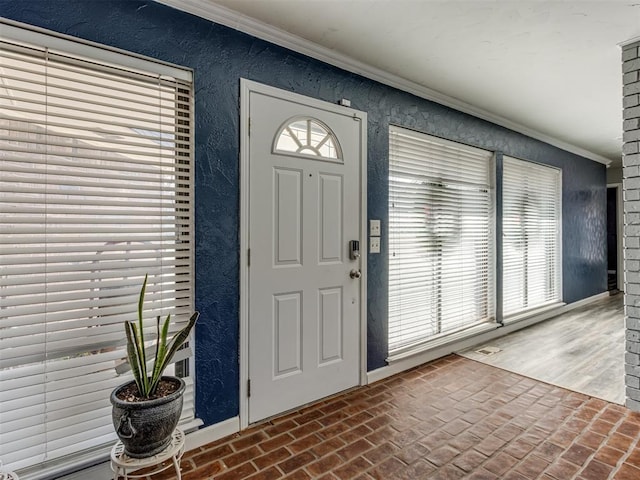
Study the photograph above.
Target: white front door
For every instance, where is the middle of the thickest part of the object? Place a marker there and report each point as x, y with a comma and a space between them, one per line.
304, 209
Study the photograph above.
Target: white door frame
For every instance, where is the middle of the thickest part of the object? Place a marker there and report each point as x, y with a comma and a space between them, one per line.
247, 86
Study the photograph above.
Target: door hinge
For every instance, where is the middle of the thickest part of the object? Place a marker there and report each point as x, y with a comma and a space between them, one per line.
248, 257
249, 388
249, 133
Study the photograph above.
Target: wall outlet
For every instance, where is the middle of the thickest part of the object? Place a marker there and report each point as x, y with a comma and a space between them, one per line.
374, 228
374, 244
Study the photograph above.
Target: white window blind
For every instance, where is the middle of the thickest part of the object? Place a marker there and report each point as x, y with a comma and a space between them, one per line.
95, 192
531, 235
440, 238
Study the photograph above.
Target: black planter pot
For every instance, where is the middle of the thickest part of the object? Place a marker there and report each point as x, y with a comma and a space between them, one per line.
145, 427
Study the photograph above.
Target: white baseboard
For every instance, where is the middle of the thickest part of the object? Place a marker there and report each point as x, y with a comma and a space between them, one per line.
586, 301
212, 433
442, 350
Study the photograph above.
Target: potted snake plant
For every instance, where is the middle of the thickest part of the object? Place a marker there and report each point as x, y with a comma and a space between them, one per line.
146, 410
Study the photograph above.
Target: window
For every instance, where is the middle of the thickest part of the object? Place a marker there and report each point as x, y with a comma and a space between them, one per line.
531, 235
308, 136
95, 192
440, 238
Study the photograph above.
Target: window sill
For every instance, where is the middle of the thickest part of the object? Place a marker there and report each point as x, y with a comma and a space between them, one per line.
528, 314
545, 311
442, 341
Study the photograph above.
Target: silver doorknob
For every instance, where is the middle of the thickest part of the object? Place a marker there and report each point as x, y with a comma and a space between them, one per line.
355, 273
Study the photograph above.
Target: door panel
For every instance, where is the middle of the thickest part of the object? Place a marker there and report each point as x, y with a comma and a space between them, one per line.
330, 321
287, 201
331, 241
304, 309
287, 328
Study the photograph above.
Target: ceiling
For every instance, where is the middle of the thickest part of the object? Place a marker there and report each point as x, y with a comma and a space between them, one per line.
552, 67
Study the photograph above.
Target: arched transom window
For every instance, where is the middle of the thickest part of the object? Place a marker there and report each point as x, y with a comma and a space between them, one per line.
308, 137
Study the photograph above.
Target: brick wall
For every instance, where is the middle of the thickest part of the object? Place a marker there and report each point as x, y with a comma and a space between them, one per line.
631, 188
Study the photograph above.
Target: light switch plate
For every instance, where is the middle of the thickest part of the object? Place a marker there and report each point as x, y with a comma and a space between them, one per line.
374, 228
374, 244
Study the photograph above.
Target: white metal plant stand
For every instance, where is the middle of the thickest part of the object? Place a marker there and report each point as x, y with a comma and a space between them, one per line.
121, 463
6, 475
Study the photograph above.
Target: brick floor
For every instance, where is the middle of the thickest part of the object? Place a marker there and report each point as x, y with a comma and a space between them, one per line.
450, 419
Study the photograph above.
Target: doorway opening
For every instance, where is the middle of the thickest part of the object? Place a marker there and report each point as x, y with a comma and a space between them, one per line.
614, 239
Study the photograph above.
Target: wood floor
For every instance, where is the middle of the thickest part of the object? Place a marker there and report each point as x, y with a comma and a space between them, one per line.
582, 350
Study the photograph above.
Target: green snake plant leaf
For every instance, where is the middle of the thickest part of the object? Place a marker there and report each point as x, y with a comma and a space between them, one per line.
152, 381
161, 352
155, 357
141, 351
132, 354
178, 339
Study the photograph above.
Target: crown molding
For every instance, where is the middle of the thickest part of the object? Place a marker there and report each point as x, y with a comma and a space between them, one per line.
218, 14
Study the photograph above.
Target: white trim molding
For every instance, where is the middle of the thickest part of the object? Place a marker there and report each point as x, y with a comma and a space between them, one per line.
212, 433
243, 23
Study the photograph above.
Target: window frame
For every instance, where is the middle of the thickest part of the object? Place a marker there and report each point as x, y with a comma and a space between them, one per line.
35, 39
329, 134
515, 315
489, 295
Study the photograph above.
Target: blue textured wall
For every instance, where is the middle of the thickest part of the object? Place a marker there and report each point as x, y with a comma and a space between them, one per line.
220, 56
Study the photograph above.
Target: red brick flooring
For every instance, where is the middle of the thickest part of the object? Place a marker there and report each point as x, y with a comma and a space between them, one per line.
449, 419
